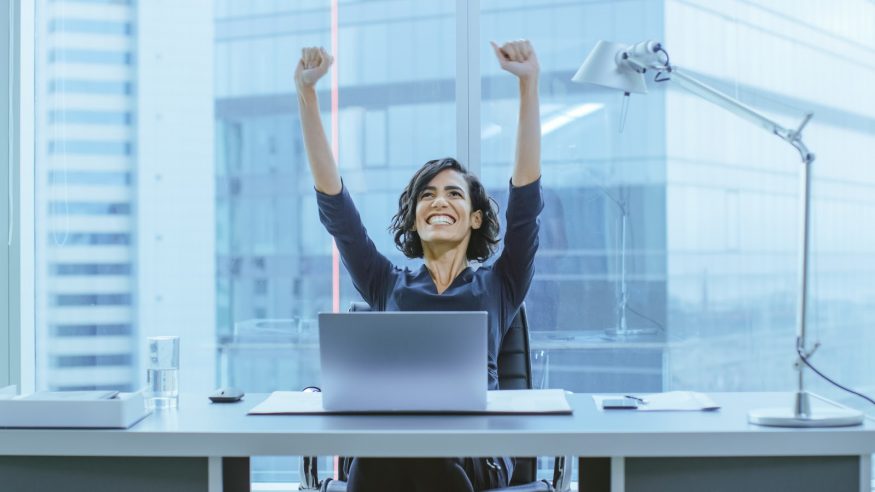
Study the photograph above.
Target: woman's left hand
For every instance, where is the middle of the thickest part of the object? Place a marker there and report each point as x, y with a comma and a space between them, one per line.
518, 58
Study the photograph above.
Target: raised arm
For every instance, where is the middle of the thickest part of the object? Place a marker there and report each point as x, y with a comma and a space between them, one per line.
518, 58
315, 63
371, 272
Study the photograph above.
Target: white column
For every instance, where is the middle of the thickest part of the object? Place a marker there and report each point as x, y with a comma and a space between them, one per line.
25, 210
175, 203
468, 84
16, 209
7, 126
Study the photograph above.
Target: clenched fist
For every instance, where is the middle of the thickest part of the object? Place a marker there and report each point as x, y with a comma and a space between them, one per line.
518, 58
314, 64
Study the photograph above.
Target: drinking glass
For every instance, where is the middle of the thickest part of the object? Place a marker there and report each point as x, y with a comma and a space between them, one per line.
162, 373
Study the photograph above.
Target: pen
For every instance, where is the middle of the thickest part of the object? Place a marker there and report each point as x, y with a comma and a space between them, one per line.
639, 400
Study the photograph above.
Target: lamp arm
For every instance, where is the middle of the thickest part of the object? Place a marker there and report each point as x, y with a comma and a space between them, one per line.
713, 95
794, 138
651, 55
699, 88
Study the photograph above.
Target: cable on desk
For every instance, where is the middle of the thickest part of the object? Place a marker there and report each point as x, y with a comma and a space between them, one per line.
824, 376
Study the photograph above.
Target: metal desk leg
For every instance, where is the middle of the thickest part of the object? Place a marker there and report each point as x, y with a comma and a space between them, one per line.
866, 473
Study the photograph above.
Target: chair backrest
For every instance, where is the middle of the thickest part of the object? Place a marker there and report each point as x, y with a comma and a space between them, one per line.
514, 372
514, 360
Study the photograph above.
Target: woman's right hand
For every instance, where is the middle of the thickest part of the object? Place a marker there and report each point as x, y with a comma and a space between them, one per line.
314, 63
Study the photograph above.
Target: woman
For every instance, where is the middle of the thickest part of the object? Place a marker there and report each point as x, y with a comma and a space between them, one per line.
446, 218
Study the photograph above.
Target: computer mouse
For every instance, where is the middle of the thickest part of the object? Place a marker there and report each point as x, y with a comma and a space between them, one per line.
226, 395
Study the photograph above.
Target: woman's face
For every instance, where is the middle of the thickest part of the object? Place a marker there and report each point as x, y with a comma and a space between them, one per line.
443, 210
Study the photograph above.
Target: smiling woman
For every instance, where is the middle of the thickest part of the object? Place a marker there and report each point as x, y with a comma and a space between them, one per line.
444, 188
446, 218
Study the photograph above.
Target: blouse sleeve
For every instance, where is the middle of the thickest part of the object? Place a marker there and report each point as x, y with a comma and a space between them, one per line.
371, 272
516, 264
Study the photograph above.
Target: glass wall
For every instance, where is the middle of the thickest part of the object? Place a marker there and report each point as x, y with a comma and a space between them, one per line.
394, 109
388, 108
602, 228
733, 196
670, 240
173, 194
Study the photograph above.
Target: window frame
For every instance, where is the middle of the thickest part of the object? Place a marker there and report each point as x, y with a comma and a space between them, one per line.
6, 128
17, 294
468, 83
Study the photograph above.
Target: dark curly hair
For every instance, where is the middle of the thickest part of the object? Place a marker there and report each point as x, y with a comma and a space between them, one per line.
483, 240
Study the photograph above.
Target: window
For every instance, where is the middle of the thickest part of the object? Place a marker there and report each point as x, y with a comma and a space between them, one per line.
697, 232
396, 109
125, 228
172, 193
601, 193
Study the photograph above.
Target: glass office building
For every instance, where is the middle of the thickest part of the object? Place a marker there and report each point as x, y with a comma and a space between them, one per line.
173, 194
124, 199
85, 210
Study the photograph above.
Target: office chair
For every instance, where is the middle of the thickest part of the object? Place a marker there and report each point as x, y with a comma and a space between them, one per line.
514, 372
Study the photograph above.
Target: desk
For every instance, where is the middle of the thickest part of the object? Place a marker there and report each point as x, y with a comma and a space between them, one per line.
633, 445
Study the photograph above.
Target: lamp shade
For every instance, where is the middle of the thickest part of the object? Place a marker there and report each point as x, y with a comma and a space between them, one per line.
601, 68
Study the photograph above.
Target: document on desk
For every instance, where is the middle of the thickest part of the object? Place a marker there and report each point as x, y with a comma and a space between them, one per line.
549, 401
672, 400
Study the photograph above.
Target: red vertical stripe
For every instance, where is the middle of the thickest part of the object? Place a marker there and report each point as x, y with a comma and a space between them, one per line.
335, 255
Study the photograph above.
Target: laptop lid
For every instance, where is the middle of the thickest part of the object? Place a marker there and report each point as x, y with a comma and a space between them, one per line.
412, 361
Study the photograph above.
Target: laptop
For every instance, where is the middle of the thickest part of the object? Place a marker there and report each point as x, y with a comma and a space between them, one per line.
412, 361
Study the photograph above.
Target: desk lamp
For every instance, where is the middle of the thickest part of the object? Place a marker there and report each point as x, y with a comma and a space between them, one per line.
622, 67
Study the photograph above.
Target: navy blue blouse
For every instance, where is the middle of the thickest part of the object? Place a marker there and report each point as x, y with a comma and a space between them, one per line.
498, 288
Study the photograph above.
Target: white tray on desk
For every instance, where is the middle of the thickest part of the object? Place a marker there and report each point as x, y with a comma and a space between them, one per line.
118, 413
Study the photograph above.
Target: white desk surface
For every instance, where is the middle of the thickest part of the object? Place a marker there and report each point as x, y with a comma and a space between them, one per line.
200, 428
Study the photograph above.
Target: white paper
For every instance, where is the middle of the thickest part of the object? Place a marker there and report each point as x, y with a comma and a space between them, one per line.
280, 402
669, 401
550, 401
527, 401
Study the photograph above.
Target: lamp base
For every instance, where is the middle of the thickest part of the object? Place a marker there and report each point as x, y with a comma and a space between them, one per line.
821, 417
